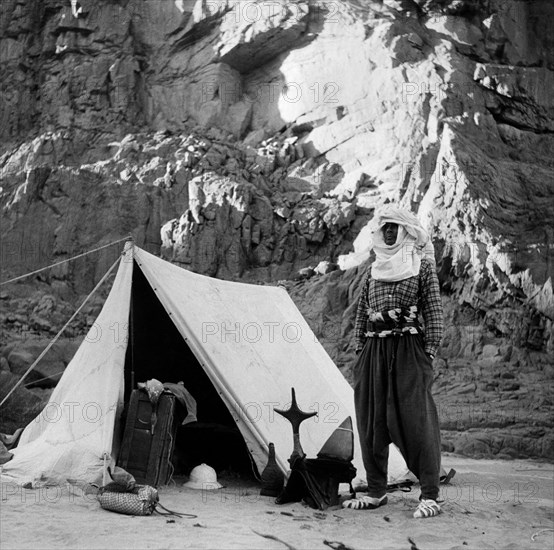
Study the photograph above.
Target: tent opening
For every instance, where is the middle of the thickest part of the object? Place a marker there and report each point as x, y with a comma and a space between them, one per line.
157, 350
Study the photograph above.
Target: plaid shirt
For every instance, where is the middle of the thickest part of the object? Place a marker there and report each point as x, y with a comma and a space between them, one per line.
422, 290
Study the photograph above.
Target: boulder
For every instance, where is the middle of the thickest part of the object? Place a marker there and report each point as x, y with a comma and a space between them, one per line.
21, 407
324, 267
50, 368
4, 365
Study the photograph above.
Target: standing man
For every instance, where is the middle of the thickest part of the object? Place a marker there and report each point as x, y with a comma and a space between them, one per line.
393, 374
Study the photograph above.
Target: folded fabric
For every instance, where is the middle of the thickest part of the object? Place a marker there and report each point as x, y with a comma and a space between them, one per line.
8, 442
316, 481
11, 441
185, 398
5, 455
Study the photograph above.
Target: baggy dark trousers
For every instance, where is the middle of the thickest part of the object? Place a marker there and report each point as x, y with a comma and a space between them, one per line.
392, 393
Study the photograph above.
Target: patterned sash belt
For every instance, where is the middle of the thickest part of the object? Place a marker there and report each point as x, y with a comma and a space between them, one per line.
398, 321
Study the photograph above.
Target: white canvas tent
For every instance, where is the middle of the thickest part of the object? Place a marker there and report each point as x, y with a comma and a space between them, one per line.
248, 343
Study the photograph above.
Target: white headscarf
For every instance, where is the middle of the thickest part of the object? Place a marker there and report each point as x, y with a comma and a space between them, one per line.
402, 259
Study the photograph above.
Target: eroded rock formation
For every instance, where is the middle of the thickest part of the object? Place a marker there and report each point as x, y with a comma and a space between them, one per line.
252, 140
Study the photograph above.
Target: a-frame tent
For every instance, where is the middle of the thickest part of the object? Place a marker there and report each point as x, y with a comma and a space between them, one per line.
238, 348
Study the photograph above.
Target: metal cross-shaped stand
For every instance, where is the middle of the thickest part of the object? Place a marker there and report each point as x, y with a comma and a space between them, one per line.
295, 416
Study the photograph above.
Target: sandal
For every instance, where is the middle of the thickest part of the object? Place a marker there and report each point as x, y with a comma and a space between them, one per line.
365, 503
427, 508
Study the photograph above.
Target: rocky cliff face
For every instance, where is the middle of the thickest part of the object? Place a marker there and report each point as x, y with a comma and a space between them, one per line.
252, 140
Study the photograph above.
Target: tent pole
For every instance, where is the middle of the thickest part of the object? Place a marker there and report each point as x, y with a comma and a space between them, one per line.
105, 470
131, 336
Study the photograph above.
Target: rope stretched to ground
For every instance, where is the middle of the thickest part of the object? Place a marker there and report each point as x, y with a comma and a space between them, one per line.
62, 262
44, 378
45, 351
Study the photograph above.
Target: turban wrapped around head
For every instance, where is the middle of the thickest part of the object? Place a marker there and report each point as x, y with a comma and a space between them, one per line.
402, 259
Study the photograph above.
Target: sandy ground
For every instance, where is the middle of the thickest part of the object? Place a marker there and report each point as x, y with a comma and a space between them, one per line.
489, 504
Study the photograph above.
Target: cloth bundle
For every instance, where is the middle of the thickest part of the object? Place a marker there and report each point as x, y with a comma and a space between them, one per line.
139, 501
316, 481
124, 496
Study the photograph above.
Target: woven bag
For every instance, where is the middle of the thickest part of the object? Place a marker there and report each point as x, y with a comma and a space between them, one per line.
140, 501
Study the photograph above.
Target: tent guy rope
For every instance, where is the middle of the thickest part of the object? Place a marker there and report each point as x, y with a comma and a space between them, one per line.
53, 341
63, 261
43, 378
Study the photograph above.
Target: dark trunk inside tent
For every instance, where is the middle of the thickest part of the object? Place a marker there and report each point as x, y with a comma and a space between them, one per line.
157, 350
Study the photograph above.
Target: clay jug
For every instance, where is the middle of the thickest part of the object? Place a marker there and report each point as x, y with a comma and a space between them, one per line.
272, 477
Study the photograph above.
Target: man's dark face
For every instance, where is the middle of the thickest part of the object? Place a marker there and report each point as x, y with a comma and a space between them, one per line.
390, 232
